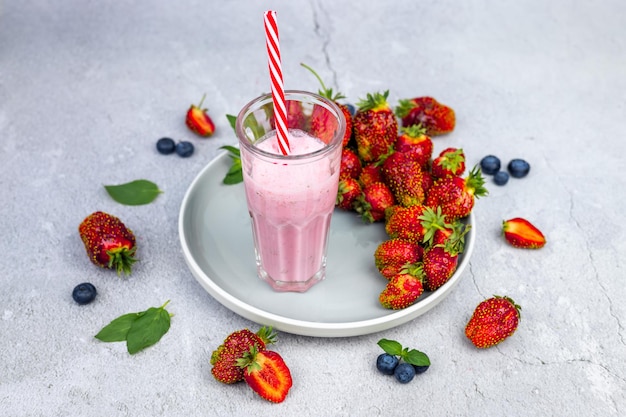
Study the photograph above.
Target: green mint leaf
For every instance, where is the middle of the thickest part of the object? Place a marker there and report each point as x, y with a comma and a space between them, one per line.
117, 330
390, 346
234, 174
234, 152
134, 193
148, 329
232, 120
415, 357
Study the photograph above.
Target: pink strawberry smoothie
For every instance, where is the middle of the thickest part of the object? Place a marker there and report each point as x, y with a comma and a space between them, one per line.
291, 202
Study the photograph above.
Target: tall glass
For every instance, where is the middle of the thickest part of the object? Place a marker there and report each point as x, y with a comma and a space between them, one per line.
291, 198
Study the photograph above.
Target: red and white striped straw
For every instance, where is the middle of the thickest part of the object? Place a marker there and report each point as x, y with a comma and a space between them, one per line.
276, 77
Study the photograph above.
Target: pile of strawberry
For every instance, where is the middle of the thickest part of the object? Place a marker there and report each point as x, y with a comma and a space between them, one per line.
390, 175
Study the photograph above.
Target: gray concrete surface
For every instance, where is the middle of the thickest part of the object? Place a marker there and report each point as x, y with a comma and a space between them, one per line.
86, 88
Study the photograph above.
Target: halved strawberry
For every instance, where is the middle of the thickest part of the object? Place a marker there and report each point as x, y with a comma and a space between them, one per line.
267, 374
198, 120
521, 233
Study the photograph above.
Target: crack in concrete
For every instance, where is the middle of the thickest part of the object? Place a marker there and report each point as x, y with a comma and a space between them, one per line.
325, 38
471, 270
592, 262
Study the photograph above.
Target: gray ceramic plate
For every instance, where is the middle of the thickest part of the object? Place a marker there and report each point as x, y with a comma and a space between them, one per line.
216, 239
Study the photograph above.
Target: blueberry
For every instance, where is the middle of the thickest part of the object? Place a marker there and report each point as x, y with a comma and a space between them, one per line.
351, 109
184, 149
166, 146
421, 369
490, 164
501, 178
84, 293
404, 373
518, 168
386, 363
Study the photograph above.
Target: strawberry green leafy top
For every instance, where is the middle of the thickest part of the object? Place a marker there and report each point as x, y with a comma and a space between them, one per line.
375, 102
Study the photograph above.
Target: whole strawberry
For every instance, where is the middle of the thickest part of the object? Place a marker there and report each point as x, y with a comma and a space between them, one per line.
328, 93
493, 320
441, 260
455, 195
224, 359
373, 202
394, 254
370, 173
449, 163
349, 190
296, 119
375, 127
198, 120
414, 142
403, 175
267, 374
435, 117
406, 224
402, 290
109, 243
437, 231
350, 164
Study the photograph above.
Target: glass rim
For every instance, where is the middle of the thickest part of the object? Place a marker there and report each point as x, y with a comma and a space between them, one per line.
267, 98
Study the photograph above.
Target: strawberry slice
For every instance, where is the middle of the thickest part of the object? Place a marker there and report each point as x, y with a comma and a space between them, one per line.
521, 233
267, 374
198, 120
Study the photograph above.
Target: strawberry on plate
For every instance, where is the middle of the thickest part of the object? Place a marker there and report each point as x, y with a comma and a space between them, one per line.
347, 193
449, 163
441, 260
394, 254
375, 127
402, 290
435, 117
414, 142
403, 175
456, 195
373, 202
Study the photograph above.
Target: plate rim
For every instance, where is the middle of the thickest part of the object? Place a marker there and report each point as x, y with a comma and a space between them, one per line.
303, 327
